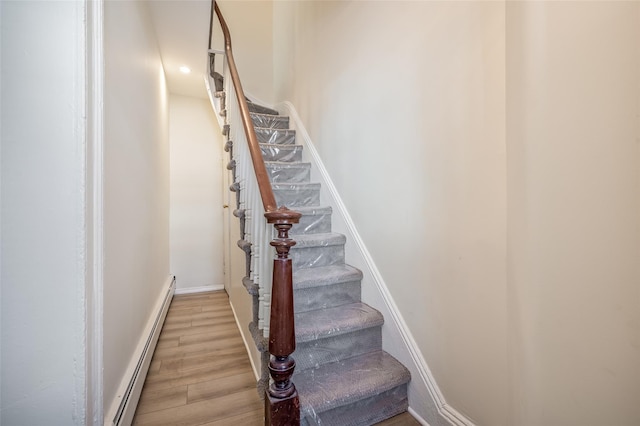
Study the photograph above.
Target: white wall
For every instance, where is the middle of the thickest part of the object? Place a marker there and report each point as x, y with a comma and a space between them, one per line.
250, 24
497, 188
42, 178
196, 194
415, 105
136, 175
574, 212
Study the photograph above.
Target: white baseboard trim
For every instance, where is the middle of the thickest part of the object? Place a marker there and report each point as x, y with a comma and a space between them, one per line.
123, 407
202, 289
417, 416
425, 396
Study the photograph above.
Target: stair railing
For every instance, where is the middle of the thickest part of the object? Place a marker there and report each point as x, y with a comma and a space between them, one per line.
256, 199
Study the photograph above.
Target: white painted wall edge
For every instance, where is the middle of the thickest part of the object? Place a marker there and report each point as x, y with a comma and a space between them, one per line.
201, 289
123, 407
424, 393
1, 217
95, 212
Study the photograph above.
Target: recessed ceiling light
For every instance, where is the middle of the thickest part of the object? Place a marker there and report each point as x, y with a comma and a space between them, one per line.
185, 69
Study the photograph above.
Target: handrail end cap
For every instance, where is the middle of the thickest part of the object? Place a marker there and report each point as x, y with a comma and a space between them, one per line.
282, 215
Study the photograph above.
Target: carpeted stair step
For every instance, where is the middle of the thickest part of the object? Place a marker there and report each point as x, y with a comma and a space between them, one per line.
288, 172
333, 334
276, 136
342, 375
270, 121
282, 153
294, 195
253, 107
358, 391
313, 250
314, 220
325, 287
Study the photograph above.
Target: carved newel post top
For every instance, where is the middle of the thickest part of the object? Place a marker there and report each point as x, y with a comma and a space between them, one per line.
283, 219
282, 216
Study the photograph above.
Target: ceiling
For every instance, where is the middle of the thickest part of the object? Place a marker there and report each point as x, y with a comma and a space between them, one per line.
182, 29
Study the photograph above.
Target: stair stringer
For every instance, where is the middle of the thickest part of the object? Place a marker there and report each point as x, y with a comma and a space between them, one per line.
426, 402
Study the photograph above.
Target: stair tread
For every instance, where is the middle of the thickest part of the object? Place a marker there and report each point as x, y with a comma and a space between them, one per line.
319, 240
271, 129
253, 107
270, 121
293, 185
288, 172
288, 165
278, 136
325, 275
313, 210
335, 321
344, 382
270, 116
282, 152
280, 145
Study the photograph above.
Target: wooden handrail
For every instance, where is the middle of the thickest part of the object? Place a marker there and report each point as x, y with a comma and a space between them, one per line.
266, 191
282, 405
211, 25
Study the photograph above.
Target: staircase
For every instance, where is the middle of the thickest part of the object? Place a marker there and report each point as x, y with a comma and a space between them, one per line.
342, 374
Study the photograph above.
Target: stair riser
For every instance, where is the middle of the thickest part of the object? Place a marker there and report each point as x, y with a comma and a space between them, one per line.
312, 224
364, 413
286, 153
297, 197
310, 257
276, 136
336, 348
298, 174
261, 109
329, 296
270, 121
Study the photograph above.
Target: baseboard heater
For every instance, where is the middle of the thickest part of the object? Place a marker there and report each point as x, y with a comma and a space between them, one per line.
124, 416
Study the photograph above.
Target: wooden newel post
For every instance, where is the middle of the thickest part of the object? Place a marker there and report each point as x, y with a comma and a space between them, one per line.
282, 407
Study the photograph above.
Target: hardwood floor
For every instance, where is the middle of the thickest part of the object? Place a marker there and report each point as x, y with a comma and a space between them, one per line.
200, 372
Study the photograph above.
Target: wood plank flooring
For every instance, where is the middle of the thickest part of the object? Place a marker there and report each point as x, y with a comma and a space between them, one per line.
200, 372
